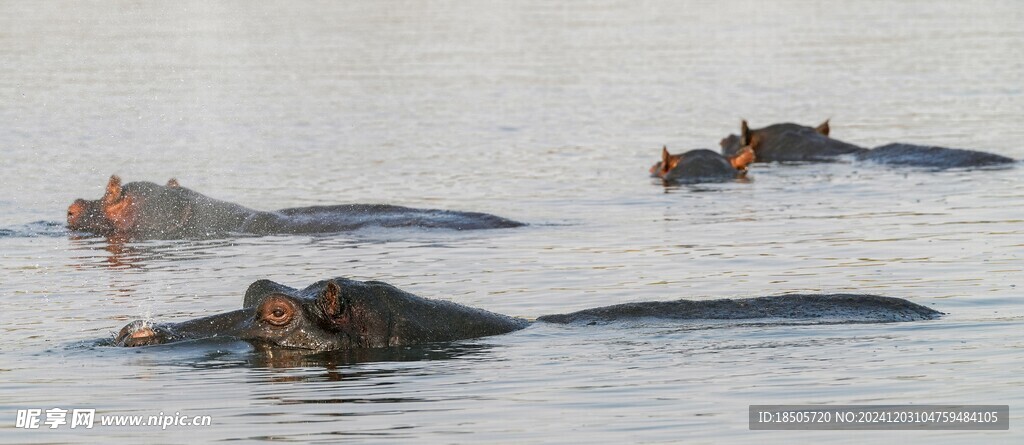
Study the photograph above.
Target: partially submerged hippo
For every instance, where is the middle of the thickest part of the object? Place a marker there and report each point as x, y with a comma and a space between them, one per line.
796, 143
788, 143
343, 314
148, 210
701, 165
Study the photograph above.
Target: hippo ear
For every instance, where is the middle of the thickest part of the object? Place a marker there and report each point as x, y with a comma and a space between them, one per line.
330, 299
823, 128
113, 193
173, 183
743, 158
752, 144
744, 133
668, 162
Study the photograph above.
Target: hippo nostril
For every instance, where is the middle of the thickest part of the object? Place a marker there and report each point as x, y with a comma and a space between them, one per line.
143, 333
135, 333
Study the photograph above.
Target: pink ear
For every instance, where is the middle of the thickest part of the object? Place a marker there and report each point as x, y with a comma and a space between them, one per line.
173, 183
666, 161
823, 128
743, 158
113, 193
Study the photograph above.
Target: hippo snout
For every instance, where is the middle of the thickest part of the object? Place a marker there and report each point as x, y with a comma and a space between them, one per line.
79, 214
139, 333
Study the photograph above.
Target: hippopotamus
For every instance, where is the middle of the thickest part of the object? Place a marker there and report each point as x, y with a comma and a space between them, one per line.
701, 165
789, 142
148, 210
344, 314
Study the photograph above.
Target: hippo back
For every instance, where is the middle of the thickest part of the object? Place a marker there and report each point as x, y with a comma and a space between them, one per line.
931, 156
345, 217
836, 308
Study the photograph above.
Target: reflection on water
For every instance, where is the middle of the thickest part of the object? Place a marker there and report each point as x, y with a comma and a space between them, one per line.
224, 353
114, 252
278, 358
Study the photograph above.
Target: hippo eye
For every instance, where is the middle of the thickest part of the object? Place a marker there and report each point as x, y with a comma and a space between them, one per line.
277, 311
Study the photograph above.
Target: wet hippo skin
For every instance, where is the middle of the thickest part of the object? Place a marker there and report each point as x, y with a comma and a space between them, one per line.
331, 315
341, 314
931, 157
789, 142
148, 210
701, 165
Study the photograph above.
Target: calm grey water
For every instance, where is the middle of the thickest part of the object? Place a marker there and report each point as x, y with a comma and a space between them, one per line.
543, 112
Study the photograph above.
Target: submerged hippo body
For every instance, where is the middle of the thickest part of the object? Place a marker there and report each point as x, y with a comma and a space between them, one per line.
796, 143
835, 308
344, 314
701, 165
788, 143
148, 210
931, 157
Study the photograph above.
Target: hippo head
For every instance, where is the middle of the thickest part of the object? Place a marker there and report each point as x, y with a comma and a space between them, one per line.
668, 161
87, 216
137, 208
732, 145
325, 316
